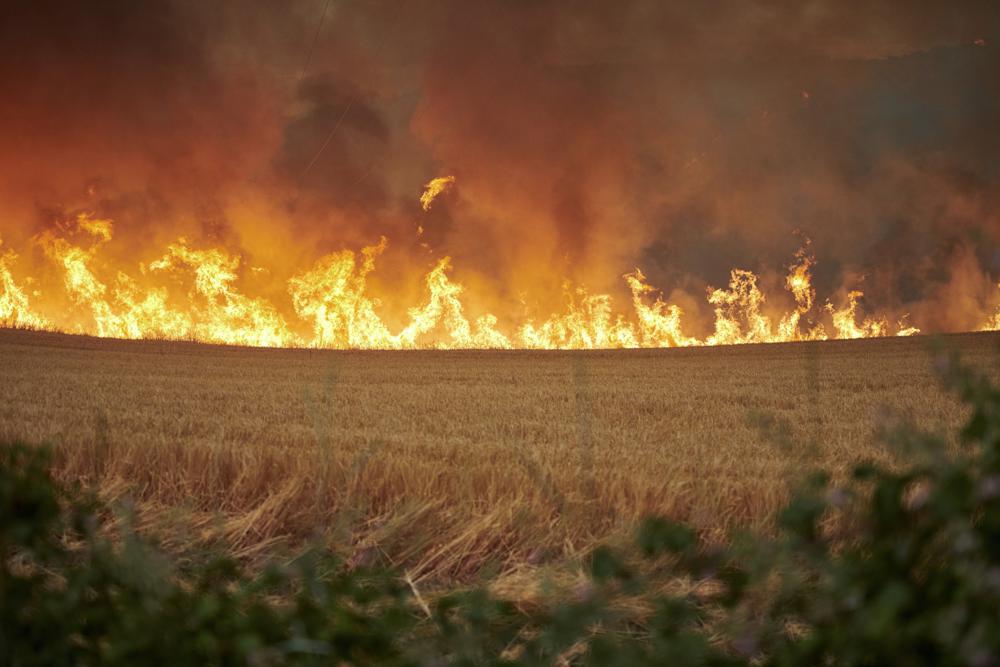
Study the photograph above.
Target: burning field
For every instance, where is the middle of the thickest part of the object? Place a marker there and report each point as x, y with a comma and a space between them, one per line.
455, 189
334, 331
360, 175
453, 464
491, 180
331, 301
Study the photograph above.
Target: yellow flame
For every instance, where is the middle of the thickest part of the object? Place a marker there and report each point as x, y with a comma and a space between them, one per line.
82, 286
146, 315
332, 299
799, 281
660, 323
225, 315
587, 324
433, 189
993, 323
737, 312
845, 320
15, 308
444, 309
128, 315
97, 227
904, 329
332, 296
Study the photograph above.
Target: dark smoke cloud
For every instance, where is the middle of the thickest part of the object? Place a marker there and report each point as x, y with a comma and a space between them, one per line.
587, 138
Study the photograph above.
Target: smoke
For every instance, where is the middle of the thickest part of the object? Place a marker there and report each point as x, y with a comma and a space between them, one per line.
586, 139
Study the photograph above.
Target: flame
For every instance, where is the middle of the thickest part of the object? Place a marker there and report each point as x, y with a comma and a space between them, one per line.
904, 329
659, 324
738, 311
444, 309
736, 307
136, 317
845, 320
81, 284
96, 227
799, 281
587, 324
332, 296
992, 324
224, 315
15, 308
434, 189
331, 306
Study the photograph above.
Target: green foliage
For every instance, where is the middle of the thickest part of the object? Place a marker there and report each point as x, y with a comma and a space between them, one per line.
899, 567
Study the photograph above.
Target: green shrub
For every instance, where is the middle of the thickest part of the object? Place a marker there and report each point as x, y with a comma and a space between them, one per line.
899, 567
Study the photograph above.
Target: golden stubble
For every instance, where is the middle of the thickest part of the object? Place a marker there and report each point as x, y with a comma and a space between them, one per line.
454, 463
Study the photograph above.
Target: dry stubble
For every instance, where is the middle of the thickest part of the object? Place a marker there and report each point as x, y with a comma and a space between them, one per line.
453, 463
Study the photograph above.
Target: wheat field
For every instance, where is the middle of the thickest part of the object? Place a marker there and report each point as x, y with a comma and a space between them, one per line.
452, 464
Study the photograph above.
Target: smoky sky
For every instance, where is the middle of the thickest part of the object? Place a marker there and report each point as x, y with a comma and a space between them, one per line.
587, 138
